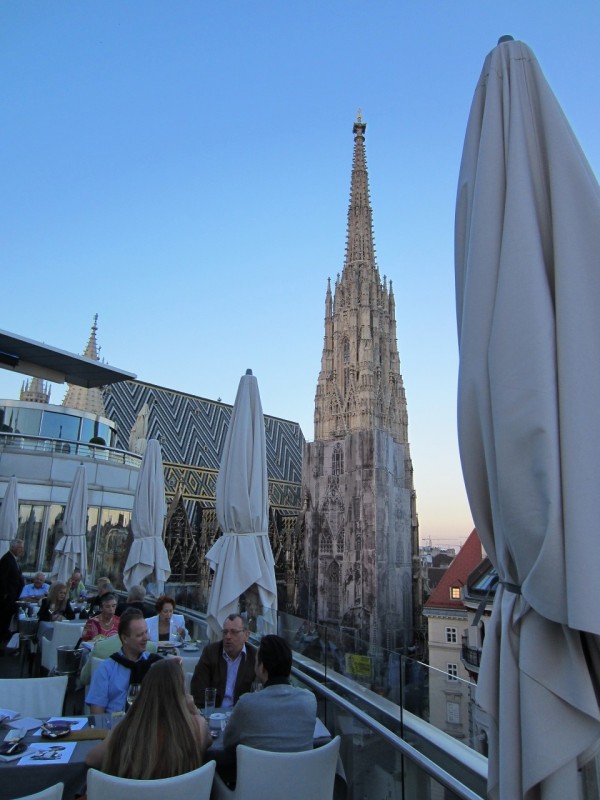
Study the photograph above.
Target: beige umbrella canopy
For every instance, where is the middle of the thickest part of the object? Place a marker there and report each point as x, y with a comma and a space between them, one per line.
148, 558
138, 438
528, 305
9, 515
70, 552
242, 558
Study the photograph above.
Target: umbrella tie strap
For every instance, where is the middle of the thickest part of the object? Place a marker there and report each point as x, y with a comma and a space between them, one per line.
484, 600
511, 587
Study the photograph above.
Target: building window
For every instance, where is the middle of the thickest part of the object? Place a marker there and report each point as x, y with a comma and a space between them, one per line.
346, 351
337, 460
326, 542
451, 635
452, 712
455, 592
452, 672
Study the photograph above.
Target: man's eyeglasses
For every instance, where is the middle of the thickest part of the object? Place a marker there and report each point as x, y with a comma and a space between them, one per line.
234, 631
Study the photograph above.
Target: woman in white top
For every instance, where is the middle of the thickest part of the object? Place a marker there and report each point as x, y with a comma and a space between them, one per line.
166, 626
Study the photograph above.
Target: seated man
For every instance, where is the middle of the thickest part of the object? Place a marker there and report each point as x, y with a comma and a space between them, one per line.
281, 717
227, 666
76, 587
104, 648
109, 685
36, 590
135, 599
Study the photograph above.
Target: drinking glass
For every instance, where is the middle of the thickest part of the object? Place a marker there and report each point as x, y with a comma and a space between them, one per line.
210, 699
132, 693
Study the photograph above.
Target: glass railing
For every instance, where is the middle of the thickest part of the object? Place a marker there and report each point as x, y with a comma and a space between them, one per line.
44, 445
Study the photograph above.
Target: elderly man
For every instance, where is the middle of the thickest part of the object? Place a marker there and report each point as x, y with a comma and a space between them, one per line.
110, 682
76, 587
11, 586
227, 666
37, 589
135, 599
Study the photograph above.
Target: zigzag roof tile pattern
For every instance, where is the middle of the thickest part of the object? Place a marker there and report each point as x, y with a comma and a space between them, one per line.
192, 429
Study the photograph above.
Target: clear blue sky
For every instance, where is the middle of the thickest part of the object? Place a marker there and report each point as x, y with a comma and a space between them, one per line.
183, 170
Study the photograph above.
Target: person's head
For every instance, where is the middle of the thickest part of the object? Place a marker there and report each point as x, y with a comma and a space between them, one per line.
136, 594
103, 586
235, 635
17, 547
108, 604
57, 595
274, 658
161, 720
133, 633
75, 579
165, 606
38, 580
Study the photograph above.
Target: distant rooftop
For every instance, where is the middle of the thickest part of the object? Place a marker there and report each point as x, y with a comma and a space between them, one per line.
28, 357
447, 594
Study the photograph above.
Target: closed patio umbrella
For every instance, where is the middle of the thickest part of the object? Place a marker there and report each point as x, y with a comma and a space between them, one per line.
242, 556
528, 308
148, 556
9, 515
70, 552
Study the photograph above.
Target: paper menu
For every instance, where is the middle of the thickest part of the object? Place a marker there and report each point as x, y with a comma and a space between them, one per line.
48, 753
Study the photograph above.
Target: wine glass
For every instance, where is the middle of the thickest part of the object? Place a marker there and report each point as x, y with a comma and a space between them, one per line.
132, 693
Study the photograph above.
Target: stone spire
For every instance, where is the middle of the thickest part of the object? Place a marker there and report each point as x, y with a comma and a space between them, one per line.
360, 386
80, 397
35, 390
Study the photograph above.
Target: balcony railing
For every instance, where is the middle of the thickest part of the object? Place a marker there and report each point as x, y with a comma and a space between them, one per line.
471, 656
67, 447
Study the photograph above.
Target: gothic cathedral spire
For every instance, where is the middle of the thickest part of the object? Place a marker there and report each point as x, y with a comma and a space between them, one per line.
361, 531
360, 386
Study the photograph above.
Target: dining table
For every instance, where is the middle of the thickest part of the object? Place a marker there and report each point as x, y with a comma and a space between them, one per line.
23, 776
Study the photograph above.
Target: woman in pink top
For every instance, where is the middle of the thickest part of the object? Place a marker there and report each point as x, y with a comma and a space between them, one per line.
106, 623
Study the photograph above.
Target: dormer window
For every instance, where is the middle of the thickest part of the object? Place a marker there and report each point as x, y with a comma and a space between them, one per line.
455, 593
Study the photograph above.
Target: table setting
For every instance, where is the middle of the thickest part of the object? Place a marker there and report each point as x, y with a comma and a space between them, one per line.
26, 743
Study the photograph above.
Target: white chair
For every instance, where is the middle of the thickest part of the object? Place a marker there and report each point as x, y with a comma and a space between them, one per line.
66, 634
308, 775
51, 793
196, 785
34, 697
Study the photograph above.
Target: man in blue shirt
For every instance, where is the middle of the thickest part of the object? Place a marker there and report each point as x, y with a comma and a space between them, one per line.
110, 682
36, 590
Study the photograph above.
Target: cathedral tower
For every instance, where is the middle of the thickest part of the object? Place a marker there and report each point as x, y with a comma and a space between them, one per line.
79, 396
360, 518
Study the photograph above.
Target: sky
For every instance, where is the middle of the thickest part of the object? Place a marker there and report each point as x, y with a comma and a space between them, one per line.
182, 169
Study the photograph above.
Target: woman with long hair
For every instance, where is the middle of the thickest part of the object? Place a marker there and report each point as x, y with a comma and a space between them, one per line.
162, 734
106, 623
166, 626
56, 607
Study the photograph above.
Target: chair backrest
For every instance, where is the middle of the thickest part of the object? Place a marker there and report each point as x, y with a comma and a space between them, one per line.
64, 634
308, 775
51, 793
196, 784
34, 697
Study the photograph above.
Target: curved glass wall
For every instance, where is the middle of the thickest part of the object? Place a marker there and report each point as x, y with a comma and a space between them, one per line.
51, 422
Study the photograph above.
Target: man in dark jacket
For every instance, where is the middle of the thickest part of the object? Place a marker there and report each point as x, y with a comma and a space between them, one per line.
227, 666
11, 586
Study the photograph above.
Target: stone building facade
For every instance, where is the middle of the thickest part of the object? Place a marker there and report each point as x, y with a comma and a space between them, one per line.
361, 530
